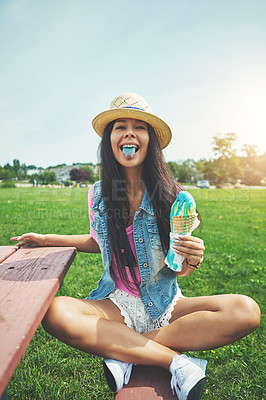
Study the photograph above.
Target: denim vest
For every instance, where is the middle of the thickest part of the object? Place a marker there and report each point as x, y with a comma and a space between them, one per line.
158, 282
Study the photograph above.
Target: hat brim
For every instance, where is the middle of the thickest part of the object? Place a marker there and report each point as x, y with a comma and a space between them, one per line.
162, 130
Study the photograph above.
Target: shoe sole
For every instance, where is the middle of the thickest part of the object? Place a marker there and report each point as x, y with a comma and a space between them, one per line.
196, 392
109, 378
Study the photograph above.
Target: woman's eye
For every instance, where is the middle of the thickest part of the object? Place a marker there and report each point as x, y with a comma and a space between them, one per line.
120, 127
140, 127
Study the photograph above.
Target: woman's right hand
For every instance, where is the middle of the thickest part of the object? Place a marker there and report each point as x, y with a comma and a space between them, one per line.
30, 239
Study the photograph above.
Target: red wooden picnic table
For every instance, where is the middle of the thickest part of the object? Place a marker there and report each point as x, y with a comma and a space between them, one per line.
29, 279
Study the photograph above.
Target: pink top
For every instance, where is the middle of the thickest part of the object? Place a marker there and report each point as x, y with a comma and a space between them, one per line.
129, 230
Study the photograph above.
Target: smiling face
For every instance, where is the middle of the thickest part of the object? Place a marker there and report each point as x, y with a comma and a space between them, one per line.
129, 141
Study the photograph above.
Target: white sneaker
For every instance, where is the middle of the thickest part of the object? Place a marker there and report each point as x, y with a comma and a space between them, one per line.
117, 373
200, 363
187, 378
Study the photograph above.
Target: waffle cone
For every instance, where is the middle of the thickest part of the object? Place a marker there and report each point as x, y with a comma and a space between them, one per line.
182, 223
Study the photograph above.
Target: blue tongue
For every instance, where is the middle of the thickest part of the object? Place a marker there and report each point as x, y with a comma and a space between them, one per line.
129, 151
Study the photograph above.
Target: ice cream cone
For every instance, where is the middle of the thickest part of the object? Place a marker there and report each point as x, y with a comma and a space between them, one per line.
182, 224
182, 216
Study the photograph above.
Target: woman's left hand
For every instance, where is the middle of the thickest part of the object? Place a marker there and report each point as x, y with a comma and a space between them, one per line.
190, 247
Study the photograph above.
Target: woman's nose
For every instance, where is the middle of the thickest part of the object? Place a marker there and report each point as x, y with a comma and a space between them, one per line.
129, 133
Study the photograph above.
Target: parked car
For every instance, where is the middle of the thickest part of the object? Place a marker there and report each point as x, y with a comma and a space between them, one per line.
203, 184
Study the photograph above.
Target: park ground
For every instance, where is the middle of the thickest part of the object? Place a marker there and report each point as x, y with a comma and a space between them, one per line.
233, 230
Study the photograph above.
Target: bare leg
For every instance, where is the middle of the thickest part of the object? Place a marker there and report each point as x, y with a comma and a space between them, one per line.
208, 322
97, 327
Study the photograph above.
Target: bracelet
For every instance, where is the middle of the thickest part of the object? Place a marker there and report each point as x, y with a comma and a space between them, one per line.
196, 266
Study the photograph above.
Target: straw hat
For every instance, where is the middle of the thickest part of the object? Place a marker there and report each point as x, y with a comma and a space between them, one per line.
131, 105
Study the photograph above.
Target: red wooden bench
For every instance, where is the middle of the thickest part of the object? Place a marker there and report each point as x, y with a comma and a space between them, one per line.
29, 279
147, 383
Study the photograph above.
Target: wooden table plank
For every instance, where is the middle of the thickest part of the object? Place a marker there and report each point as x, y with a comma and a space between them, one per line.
147, 383
6, 251
29, 279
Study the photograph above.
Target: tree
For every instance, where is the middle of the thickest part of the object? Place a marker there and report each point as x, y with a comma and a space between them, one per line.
252, 164
23, 172
16, 167
15, 171
200, 166
80, 175
250, 151
223, 145
83, 175
262, 164
5, 174
93, 173
173, 167
35, 176
46, 177
9, 172
251, 176
185, 171
226, 167
212, 171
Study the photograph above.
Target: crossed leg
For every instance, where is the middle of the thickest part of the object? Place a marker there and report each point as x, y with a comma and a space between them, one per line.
208, 322
97, 327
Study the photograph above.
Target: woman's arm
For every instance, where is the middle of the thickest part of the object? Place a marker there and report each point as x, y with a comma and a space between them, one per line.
192, 248
84, 243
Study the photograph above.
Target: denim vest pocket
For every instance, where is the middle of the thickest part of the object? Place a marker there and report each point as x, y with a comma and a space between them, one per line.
154, 235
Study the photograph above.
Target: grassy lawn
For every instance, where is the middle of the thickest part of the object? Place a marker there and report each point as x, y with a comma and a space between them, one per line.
233, 230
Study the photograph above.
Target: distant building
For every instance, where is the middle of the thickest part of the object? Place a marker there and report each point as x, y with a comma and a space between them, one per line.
34, 171
63, 173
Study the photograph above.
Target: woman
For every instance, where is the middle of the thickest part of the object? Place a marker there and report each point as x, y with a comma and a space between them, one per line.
138, 315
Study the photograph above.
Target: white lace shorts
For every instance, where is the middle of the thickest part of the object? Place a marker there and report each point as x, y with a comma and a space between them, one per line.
135, 314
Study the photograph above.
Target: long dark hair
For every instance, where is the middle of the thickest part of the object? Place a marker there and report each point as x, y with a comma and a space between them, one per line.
162, 189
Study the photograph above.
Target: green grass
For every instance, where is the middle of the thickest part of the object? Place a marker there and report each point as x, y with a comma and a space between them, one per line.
233, 230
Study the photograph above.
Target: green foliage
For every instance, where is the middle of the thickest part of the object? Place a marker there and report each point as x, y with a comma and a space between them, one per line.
16, 171
185, 171
6, 172
227, 167
251, 176
93, 174
7, 184
250, 150
34, 176
254, 167
233, 231
68, 183
222, 170
44, 178
80, 174
223, 145
56, 166
173, 168
83, 175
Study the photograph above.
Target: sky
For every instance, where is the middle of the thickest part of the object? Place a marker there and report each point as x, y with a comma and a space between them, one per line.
201, 65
